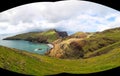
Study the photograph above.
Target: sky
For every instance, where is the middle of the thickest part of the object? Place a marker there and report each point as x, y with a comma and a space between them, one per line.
70, 15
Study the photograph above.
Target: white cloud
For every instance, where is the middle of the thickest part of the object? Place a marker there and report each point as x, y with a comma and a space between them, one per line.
110, 24
70, 16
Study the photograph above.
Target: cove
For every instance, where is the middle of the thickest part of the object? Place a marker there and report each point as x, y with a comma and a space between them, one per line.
39, 48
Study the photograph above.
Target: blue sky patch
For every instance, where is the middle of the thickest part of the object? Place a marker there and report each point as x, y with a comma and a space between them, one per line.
111, 19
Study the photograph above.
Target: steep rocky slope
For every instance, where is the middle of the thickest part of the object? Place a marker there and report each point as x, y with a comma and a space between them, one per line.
69, 47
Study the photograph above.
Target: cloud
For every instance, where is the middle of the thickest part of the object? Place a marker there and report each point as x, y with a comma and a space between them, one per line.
114, 22
70, 16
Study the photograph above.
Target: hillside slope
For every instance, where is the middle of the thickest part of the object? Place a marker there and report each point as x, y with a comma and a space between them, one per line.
80, 44
41, 37
34, 64
69, 47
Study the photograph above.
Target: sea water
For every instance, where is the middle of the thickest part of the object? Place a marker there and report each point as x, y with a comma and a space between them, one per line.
39, 48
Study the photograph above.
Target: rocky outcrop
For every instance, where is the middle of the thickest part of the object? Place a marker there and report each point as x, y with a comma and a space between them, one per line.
71, 48
62, 34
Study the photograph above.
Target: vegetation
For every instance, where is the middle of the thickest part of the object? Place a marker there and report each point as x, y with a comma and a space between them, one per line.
41, 37
102, 39
34, 64
79, 35
78, 53
85, 43
103, 50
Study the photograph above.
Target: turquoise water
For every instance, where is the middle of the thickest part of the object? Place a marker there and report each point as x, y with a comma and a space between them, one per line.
25, 45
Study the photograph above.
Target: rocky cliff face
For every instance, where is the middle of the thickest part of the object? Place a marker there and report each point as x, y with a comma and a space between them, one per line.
62, 34
69, 47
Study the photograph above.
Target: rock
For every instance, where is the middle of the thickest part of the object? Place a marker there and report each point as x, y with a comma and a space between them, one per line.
62, 34
68, 50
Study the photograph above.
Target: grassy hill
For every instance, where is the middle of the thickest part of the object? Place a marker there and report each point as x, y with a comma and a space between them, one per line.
79, 35
103, 50
102, 39
81, 44
34, 64
42, 37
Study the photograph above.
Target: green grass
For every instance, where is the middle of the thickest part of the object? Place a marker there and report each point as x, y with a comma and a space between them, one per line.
52, 35
34, 64
104, 50
102, 39
49, 35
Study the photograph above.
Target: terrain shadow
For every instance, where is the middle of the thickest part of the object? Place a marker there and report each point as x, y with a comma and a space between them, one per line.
111, 72
4, 72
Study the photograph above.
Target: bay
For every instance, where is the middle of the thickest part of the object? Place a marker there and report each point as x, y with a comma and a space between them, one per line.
39, 48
